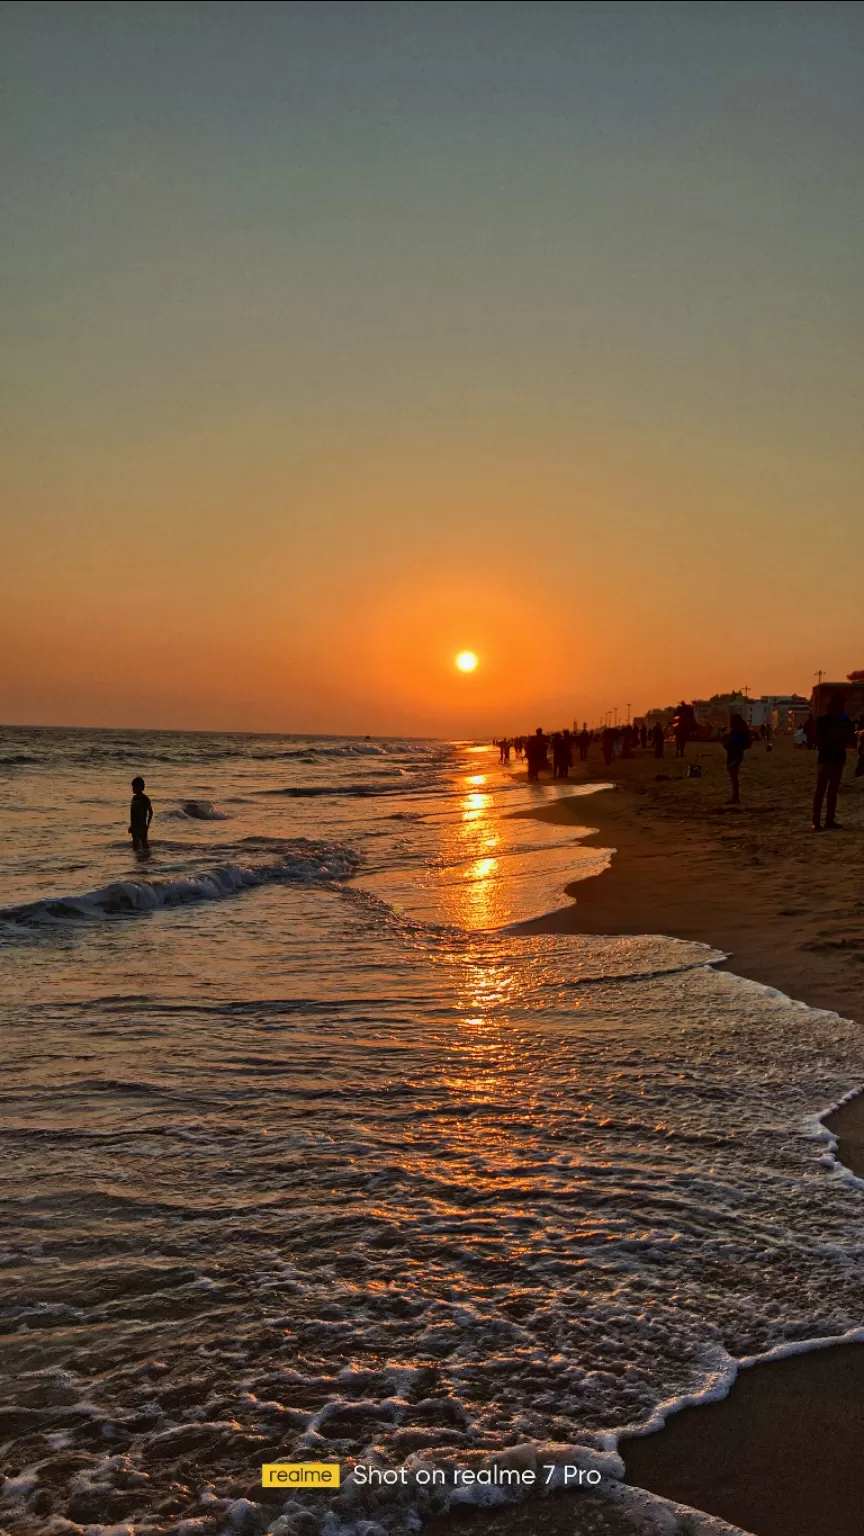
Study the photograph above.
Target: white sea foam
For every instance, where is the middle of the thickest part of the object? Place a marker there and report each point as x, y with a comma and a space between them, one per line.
203, 810
313, 863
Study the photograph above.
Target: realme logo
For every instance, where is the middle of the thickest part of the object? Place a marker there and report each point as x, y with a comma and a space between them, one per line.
300, 1474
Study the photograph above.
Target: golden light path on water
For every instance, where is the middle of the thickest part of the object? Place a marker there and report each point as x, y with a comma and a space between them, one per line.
479, 899
490, 865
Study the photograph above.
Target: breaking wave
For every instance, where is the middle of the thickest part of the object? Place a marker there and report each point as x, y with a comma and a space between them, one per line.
203, 810
307, 862
310, 791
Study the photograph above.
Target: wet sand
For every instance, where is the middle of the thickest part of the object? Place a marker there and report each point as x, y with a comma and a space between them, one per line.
783, 1454
780, 1456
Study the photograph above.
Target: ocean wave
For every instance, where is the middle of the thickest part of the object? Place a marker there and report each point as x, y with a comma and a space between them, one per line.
203, 810
536, 1228
361, 749
306, 863
311, 791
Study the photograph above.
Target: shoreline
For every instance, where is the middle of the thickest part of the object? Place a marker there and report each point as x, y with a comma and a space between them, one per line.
768, 914
782, 1453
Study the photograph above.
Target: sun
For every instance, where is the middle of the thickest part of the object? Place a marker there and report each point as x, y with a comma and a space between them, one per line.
466, 661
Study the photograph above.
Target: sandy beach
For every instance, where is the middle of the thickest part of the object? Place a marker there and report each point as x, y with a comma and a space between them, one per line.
783, 1454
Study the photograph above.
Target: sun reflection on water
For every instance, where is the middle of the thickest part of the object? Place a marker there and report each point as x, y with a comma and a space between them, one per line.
487, 866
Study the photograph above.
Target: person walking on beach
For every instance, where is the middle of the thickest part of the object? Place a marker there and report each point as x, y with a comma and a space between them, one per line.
584, 739
140, 817
737, 742
555, 742
684, 726
565, 755
561, 754
535, 751
834, 733
658, 736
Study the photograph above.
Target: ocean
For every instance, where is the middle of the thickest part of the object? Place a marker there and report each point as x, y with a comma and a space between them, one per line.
308, 1153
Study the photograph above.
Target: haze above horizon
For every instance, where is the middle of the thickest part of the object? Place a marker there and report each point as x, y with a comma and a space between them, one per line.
343, 339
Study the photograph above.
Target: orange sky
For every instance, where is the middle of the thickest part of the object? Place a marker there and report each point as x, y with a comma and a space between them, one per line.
531, 343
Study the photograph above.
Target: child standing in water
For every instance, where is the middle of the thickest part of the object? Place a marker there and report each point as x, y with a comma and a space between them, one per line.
140, 817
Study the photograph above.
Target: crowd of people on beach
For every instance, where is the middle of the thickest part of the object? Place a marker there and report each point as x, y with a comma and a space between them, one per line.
831, 735
535, 750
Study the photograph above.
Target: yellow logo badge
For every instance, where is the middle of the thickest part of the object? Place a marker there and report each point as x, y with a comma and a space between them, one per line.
300, 1474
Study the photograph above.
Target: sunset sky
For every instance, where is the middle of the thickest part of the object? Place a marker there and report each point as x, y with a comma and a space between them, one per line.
341, 338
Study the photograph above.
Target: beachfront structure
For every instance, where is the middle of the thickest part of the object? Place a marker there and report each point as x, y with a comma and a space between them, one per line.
788, 711
715, 712
662, 717
853, 694
782, 711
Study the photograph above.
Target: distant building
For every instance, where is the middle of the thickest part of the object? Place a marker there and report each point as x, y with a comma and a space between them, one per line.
788, 711
757, 712
662, 717
853, 695
715, 712
781, 710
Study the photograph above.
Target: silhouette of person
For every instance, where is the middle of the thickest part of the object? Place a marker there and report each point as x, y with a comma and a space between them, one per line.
834, 733
658, 736
555, 743
140, 817
535, 750
683, 725
643, 735
737, 741
562, 754
584, 739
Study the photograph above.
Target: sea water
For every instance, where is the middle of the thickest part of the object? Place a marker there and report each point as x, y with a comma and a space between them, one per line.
309, 1154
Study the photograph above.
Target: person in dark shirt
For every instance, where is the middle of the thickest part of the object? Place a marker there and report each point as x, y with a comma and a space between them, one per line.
536, 748
834, 733
562, 754
140, 817
684, 727
737, 742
